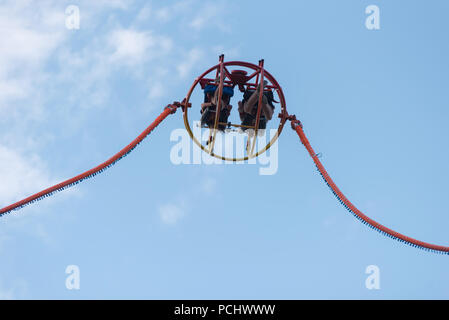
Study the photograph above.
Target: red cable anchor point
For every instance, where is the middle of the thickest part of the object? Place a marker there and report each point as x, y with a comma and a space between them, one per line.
176, 104
294, 122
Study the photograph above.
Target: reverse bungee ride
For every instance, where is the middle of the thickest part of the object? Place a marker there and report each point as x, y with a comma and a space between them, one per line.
261, 96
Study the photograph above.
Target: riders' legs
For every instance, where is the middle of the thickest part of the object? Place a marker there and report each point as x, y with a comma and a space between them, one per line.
254, 98
267, 110
252, 101
241, 110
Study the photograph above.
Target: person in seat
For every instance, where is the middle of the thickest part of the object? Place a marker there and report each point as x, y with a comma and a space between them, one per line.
248, 107
209, 107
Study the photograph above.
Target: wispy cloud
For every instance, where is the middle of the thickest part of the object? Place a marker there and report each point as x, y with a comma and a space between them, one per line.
157, 90
133, 47
16, 291
171, 213
28, 38
190, 59
209, 185
40, 65
173, 11
144, 13
211, 15
20, 175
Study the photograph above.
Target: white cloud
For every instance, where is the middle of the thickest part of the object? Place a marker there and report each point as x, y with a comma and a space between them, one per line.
115, 4
134, 47
190, 60
7, 294
20, 176
163, 14
12, 89
29, 35
16, 291
174, 11
157, 90
34, 37
212, 14
193, 13
144, 13
130, 46
209, 185
171, 213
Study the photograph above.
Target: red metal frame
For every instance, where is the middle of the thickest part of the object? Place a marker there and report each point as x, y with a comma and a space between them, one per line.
259, 105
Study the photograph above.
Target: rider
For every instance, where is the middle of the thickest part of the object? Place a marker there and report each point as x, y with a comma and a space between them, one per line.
249, 105
209, 106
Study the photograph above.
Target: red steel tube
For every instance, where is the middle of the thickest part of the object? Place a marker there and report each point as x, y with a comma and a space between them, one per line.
92, 171
299, 130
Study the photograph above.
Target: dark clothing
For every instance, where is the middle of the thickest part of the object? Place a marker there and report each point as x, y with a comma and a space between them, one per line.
208, 117
249, 119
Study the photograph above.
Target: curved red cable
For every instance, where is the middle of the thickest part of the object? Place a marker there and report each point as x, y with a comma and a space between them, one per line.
92, 172
356, 212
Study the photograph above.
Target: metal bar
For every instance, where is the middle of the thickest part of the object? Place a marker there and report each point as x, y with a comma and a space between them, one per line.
249, 85
227, 73
253, 74
259, 106
268, 87
257, 78
218, 107
236, 125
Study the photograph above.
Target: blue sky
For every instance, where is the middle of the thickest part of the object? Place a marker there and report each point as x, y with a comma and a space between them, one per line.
373, 102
